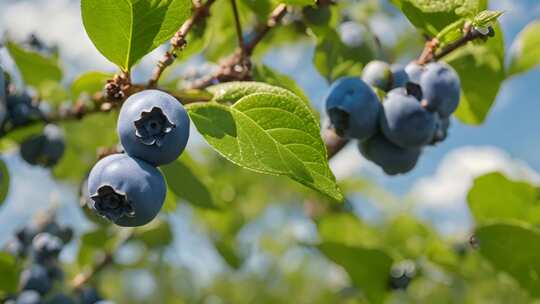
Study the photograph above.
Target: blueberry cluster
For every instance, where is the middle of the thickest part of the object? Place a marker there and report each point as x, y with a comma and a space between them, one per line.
401, 275
17, 109
38, 246
127, 188
414, 112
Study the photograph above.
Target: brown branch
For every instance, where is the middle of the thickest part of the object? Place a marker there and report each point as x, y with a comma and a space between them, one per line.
99, 103
179, 41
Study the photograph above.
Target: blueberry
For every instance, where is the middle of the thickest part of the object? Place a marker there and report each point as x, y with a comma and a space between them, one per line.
391, 158
378, 74
89, 295
60, 298
35, 278
353, 108
153, 126
441, 129
352, 34
441, 87
405, 122
21, 110
46, 246
29, 297
399, 76
126, 190
414, 71
44, 149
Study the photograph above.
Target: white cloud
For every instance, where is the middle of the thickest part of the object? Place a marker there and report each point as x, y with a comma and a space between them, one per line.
448, 187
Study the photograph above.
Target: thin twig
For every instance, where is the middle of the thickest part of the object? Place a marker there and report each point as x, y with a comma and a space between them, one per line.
179, 41
84, 277
334, 143
237, 66
275, 17
430, 52
468, 37
238, 25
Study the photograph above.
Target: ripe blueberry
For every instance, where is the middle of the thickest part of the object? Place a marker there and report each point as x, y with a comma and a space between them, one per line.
399, 76
391, 158
378, 74
353, 108
126, 190
44, 149
153, 126
405, 122
441, 129
414, 71
29, 297
441, 88
46, 246
35, 278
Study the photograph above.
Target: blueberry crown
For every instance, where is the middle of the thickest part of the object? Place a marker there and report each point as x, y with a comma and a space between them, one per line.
152, 127
111, 204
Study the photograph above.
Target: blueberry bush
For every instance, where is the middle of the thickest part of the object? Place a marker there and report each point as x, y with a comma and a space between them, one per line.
233, 138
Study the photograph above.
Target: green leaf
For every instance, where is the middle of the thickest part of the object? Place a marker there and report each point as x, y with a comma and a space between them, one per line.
346, 229
265, 74
171, 202
35, 68
525, 50
89, 83
368, 269
333, 59
126, 30
4, 181
227, 250
230, 92
157, 233
515, 249
10, 273
481, 70
83, 138
53, 92
494, 197
434, 15
186, 185
486, 18
268, 133
92, 243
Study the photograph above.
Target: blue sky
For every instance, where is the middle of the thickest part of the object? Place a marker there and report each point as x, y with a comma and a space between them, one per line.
507, 141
